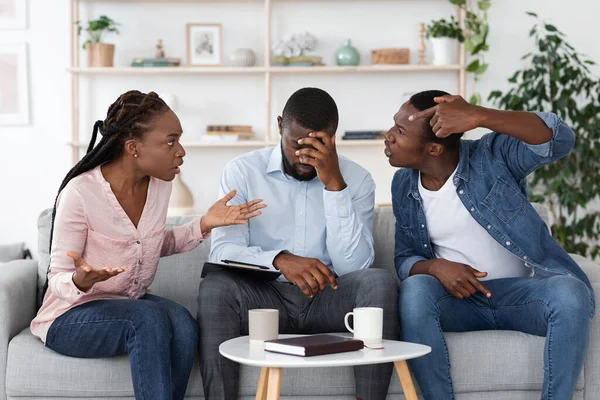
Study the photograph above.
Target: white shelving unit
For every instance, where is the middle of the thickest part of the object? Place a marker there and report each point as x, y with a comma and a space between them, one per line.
267, 71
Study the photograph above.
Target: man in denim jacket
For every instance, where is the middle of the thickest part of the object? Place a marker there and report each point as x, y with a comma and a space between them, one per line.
471, 251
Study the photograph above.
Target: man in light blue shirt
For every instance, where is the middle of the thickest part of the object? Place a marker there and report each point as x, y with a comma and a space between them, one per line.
317, 230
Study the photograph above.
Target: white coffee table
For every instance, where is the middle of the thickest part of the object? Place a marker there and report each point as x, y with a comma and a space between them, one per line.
269, 382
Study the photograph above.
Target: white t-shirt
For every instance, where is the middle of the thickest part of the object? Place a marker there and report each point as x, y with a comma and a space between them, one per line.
457, 237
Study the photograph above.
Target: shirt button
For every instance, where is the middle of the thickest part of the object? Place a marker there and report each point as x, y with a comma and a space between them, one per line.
135, 281
300, 213
524, 257
140, 262
342, 199
425, 245
472, 209
546, 269
489, 227
78, 292
138, 242
422, 226
508, 243
460, 191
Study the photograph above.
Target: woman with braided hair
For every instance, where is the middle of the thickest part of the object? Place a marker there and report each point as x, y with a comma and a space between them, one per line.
108, 233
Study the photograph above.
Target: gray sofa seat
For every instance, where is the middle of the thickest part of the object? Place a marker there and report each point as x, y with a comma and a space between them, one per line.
489, 364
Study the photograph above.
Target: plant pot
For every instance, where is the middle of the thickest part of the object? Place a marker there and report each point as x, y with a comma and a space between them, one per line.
445, 51
100, 54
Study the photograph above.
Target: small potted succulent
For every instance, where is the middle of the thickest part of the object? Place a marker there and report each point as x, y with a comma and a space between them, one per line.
444, 35
99, 54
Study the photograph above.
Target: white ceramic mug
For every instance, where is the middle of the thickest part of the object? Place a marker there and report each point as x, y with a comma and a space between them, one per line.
263, 324
368, 324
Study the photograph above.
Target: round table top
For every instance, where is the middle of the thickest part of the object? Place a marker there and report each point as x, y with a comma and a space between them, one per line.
240, 350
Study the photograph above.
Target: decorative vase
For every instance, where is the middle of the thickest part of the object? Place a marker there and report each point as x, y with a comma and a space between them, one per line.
347, 55
243, 58
444, 51
100, 54
182, 200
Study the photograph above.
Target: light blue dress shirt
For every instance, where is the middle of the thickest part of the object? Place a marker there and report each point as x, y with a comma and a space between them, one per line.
301, 217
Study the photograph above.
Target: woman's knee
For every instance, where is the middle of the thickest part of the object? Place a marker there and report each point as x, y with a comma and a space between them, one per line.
183, 325
151, 315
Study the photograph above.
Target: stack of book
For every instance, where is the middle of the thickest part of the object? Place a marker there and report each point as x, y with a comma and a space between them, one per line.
156, 62
302, 61
228, 133
364, 135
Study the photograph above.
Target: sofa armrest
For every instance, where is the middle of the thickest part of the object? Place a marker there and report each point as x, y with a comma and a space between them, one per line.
592, 362
18, 283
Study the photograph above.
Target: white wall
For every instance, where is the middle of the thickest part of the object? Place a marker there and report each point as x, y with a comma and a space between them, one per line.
34, 158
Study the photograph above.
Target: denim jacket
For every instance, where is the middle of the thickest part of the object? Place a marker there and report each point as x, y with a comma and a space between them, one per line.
491, 183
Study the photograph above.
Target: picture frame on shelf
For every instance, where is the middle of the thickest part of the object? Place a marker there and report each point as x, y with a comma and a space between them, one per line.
13, 14
14, 88
204, 45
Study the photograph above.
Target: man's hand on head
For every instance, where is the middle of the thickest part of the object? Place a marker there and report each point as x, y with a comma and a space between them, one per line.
451, 115
309, 274
322, 155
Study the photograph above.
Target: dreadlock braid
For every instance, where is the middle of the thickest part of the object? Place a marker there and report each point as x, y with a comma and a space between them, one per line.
127, 118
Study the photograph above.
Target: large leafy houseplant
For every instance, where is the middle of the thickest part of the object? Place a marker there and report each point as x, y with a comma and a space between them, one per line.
558, 79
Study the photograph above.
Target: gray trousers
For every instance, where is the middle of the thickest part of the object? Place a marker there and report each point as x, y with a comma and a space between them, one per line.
226, 297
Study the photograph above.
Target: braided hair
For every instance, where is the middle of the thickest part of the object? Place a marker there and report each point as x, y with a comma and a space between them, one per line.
313, 109
127, 118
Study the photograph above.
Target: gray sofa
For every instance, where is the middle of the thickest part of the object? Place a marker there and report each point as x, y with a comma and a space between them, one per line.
485, 365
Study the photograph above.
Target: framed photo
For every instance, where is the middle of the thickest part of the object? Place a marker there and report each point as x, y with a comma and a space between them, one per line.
13, 14
204, 45
14, 99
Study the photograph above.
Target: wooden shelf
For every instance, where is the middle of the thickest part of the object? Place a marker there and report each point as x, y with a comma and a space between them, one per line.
191, 145
165, 70
254, 144
259, 70
364, 69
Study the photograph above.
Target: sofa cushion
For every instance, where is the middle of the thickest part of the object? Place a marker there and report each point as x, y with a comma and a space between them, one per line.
482, 362
11, 252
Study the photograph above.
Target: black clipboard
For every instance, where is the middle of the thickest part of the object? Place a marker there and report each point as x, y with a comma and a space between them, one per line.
242, 268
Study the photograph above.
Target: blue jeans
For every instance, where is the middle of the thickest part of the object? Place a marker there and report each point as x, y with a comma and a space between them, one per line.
558, 307
159, 335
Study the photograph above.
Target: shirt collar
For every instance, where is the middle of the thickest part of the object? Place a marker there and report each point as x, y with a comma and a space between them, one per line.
275, 160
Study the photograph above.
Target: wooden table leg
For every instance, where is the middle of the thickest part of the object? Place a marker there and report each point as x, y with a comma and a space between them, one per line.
261, 390
405, 380
274, 384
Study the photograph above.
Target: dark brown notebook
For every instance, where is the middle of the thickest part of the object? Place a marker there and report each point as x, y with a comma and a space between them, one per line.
313, 345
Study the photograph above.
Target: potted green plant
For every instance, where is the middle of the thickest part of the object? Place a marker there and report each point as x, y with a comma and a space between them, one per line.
444, 35
99, 54
558, 79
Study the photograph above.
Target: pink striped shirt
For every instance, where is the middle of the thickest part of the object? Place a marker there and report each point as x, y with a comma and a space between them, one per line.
90, 221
